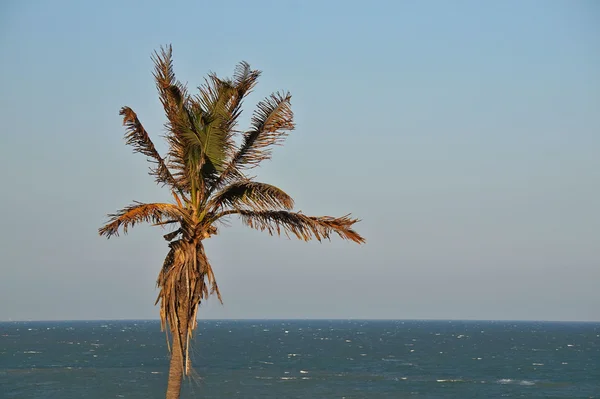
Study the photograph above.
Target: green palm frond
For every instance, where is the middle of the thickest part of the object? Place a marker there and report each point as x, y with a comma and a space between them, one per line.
216, 119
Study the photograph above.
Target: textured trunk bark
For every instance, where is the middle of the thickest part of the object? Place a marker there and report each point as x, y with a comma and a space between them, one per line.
175, 371
176, 367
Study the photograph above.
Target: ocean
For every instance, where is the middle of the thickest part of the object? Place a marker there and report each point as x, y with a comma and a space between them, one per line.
304, 359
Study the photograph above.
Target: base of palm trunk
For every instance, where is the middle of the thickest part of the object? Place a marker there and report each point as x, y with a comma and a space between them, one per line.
175, 373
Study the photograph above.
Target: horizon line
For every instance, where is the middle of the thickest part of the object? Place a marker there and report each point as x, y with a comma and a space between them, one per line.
307, 319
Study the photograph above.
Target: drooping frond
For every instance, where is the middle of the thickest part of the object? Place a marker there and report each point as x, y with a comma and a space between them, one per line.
207, 271
138, 213
172, 235
250, 195
139, 139
302, 226
184, 281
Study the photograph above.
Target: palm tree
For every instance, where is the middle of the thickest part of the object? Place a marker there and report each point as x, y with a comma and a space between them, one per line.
205, 170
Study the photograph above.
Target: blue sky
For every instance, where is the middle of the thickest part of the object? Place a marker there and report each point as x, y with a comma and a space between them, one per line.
464, 134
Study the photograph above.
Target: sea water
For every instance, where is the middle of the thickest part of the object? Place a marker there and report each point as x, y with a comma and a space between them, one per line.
304, 359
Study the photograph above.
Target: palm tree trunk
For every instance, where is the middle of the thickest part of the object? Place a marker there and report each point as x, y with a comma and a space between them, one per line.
175, 371
176, 366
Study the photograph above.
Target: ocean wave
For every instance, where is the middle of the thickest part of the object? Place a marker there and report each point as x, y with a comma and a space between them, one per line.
401, 361
510, 381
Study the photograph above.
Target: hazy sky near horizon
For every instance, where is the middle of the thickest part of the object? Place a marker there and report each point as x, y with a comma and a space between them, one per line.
465, 135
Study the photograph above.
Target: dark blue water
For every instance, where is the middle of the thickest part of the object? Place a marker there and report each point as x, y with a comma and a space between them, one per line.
305, 359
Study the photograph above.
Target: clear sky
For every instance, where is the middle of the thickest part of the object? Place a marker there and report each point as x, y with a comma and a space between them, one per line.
464, 134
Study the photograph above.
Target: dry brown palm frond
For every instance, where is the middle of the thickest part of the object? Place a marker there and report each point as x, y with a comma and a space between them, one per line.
171, 236
139, 139
250, 195
172, 93
207, 271
173, 96
244, 80
273, 117
184, 281
140, 212
302, 226
163, 67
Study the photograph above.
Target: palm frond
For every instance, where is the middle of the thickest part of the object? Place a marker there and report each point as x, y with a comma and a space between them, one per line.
139, 212
173, 97
271, 123
244, 80
302, 226
250, 195
139, 139
172, 93
172, 235
216, 120
207, 271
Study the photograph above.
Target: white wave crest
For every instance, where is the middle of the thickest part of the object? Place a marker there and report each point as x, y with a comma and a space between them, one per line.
506, 381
